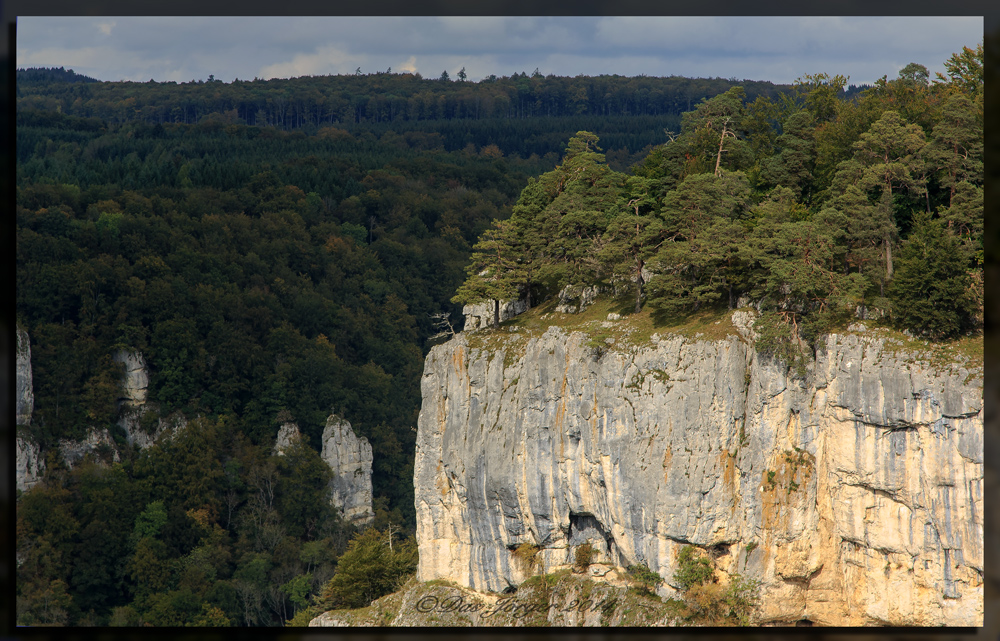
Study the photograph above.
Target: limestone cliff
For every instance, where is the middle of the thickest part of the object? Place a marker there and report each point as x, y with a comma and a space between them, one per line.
288, 434
135, 377
854, 493
350, 458
29, 465
481, 315
136, 413
25, 401
30, 459
97, 443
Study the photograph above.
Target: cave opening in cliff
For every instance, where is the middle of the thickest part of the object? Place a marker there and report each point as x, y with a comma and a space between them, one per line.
585, 527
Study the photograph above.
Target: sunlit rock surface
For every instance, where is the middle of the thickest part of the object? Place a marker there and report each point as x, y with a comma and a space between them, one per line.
350, 458
855, 494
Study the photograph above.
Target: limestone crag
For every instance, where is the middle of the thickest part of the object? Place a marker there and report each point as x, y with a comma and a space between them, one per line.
288, 434
97, 442
135, 380
481, 315
854, 494
25, 401
133, 402
574, 299
350, 458
29, 465
132, 419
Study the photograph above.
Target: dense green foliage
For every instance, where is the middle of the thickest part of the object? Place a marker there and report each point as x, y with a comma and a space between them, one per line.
247, 294
692, 570
518, 114
369, 98
707, 601
261, 274
644, 579
201, 529
370, 567
929, 292
797, 205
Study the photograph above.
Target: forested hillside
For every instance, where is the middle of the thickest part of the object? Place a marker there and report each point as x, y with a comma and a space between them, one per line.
258, 271
370, 98
279, 248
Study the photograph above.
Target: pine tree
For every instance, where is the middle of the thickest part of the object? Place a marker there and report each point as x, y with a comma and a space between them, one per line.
930, 293
956, 145
370, 568
698, 262
633, 235
792, 167
492, 272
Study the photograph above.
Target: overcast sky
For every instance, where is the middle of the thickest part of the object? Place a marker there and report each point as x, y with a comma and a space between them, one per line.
756, 48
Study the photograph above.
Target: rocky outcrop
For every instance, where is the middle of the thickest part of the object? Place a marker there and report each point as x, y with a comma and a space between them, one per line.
25, 400
481, 315
29, 466
288, 434
97, 443
136, 416
350, 458
574, 299
143, 428
575, 600
854, 494
135, 380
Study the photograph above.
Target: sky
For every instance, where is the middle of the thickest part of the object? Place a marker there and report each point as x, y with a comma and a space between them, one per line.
776, 49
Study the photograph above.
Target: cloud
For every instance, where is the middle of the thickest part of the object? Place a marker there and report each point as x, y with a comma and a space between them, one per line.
327, 59
410, 65
80, 58
777, 49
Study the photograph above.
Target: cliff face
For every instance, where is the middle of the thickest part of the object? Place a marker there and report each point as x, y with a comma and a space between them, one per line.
350, 458
288, 435
135, 377
855, 494
29, 465
25, 401
97, 442
481, 315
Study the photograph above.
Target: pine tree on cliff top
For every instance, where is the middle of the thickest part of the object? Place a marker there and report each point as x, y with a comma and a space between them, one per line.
492, 270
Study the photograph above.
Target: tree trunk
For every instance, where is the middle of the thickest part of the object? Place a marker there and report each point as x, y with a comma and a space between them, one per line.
718, 157
638, 289
888, 258
496, 313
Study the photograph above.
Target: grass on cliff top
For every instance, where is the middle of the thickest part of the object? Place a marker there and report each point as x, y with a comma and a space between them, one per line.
636, 330
965, 351
631, 330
